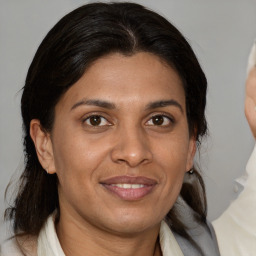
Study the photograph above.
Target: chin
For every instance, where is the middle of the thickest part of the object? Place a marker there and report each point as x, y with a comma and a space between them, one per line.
132, 222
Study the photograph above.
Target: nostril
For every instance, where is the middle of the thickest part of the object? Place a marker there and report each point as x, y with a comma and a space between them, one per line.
131, 156
131, 146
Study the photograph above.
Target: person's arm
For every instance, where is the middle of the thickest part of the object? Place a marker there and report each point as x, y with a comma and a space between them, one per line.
236, 227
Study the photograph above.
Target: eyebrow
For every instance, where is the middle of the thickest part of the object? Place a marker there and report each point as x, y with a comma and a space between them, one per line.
164, 103
109, 105
96, 102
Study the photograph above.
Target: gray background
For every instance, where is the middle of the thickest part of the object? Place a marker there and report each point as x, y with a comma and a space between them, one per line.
221, 33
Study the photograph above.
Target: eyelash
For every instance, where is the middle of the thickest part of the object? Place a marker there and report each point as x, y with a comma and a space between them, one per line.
87, 118
166, 118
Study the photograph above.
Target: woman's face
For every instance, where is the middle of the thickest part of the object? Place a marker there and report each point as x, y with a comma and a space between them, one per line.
121, 144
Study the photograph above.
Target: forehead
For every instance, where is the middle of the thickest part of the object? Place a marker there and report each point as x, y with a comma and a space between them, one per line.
141, 77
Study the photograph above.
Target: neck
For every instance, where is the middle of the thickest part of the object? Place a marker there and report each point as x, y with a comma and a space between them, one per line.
77, 238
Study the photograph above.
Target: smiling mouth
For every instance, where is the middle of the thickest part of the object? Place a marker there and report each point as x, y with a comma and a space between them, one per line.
129, 188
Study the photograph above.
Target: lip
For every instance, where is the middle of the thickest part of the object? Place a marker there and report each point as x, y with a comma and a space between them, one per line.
112, 185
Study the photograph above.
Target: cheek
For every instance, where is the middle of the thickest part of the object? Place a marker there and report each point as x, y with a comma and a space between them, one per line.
173, 154
76, 167
76, 158
172, 157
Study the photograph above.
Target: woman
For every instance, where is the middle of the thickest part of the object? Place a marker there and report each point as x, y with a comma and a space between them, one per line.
113, 110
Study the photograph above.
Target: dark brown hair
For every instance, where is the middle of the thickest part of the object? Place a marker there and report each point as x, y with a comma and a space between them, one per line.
71, 46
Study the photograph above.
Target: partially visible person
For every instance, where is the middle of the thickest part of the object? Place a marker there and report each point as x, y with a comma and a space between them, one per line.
250, 100
236, 227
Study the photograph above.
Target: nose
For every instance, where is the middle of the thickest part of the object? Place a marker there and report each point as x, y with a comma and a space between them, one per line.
132, 147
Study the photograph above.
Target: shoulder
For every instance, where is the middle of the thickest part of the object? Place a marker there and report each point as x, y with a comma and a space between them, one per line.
204, 240
10, 248
20, 246
235, 228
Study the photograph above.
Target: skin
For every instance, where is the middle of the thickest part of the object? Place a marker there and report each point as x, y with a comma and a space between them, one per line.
250, 100
127, 141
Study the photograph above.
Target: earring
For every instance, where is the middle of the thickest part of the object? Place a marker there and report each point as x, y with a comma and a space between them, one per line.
46, 169
191, 171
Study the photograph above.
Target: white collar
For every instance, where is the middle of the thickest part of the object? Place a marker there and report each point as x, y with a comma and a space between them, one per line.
168, 243
48, 242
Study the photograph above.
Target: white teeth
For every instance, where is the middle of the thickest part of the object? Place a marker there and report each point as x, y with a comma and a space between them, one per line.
128, 185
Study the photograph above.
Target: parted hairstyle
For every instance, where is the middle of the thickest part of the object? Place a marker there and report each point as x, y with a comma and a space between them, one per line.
68, 50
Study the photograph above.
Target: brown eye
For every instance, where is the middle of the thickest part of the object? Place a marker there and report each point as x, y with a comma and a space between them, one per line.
158, 120
96, 121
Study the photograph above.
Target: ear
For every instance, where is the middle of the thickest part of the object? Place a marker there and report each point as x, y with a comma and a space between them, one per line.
43, 145
191, 153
